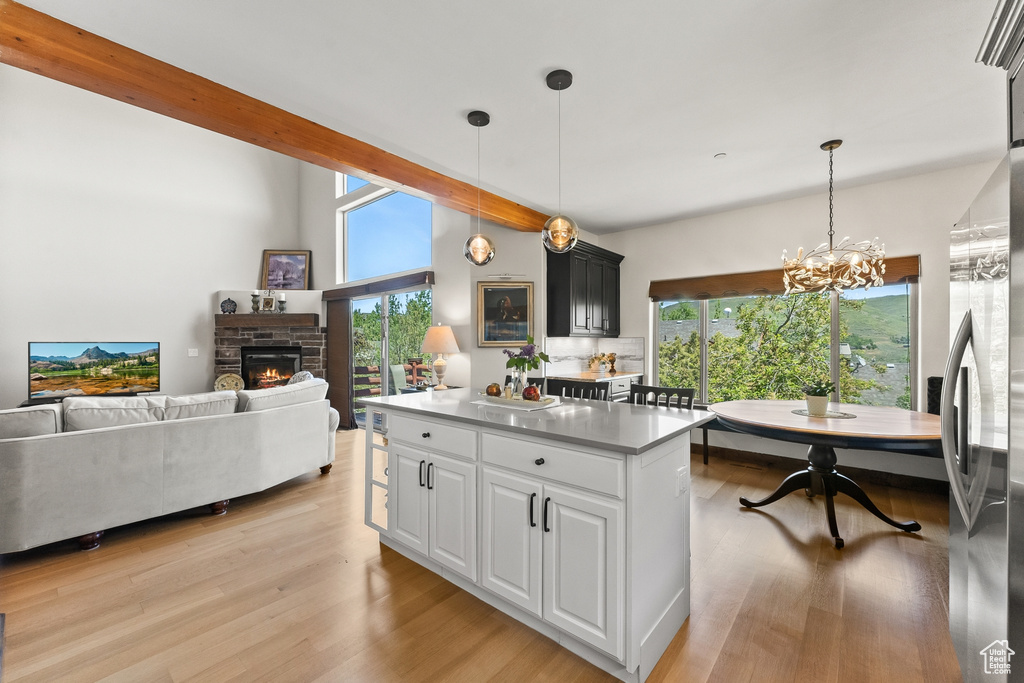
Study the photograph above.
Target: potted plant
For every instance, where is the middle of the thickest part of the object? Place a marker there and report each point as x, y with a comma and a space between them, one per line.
817, 392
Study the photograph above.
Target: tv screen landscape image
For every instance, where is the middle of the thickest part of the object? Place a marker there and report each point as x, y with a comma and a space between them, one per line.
57, 369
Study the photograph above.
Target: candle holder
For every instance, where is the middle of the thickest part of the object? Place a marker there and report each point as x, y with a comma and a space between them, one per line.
255, 303
281, 305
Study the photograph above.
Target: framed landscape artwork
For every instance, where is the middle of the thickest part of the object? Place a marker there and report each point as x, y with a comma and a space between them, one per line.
504, 313
285, 269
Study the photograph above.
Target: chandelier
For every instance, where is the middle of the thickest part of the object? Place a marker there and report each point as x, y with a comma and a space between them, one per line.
834, 267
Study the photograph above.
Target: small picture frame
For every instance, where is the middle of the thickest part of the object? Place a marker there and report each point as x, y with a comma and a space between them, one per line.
267, 304
504, 313
285, 269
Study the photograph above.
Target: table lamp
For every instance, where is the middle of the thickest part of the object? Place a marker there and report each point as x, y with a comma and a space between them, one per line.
440, 340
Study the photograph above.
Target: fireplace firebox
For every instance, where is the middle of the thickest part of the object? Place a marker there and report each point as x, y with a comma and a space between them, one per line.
269, 366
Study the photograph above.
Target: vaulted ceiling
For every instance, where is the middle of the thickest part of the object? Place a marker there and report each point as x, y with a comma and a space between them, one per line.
660, 88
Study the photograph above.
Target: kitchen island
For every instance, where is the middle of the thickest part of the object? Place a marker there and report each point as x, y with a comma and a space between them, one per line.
573, 519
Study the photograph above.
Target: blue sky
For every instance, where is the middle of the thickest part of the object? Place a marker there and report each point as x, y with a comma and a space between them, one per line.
390, 235
74, 349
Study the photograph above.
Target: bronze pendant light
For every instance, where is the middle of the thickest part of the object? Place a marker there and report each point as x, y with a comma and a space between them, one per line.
560, 232
478, 250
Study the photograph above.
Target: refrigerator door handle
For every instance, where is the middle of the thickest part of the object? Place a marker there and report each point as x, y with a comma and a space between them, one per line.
947, 417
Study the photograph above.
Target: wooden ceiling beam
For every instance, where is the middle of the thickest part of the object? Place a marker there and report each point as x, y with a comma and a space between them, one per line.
39, 43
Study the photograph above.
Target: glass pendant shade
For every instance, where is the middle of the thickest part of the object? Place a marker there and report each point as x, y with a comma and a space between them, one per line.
560, 234
478, 250
830, 267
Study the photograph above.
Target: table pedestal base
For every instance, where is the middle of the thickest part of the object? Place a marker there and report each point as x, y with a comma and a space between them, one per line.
821, 477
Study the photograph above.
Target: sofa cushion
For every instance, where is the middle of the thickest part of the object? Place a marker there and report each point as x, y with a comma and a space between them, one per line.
30, 421
199, 405
251, 400
96, 412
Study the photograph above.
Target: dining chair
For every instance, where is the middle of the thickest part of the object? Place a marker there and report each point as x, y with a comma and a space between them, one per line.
571, 389
670, 397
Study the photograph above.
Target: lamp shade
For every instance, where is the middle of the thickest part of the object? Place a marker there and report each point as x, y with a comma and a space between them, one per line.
440, 339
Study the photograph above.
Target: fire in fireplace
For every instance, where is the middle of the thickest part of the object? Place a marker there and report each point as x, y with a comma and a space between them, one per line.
269, 366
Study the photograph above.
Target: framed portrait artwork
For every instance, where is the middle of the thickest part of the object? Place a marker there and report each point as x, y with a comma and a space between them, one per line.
504, 313
267, 304
285, 269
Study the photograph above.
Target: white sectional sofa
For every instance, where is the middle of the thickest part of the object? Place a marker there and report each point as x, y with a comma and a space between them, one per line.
94, 463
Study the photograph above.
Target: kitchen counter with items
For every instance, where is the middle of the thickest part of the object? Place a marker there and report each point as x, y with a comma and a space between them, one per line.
572, 518
618, 382
597, 376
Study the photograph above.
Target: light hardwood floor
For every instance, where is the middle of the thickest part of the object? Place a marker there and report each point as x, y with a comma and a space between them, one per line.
290, 586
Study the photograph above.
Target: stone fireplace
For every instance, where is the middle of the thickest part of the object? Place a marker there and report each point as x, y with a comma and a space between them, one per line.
268, 348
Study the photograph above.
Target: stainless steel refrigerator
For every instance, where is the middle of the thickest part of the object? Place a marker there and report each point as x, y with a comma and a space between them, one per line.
983, 429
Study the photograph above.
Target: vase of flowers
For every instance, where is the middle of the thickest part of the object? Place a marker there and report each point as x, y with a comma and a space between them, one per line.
816, 394
520, 362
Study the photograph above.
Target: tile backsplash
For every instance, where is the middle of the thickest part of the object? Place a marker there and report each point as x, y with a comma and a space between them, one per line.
572, 354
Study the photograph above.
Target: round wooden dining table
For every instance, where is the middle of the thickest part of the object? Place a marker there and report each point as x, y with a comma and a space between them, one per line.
847, 425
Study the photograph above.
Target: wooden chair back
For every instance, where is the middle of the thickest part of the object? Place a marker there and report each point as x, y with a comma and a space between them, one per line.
671, 397
592, 390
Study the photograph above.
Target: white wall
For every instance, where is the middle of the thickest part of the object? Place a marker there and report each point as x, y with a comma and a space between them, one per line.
118, 224
910, 215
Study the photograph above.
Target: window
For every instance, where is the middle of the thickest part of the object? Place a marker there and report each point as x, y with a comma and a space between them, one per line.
380, 231
343, 184
767, 346
875, 344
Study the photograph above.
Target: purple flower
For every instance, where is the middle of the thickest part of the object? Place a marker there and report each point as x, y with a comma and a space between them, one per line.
527, 351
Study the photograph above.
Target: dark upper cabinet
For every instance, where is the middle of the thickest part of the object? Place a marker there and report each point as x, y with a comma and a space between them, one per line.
583, 292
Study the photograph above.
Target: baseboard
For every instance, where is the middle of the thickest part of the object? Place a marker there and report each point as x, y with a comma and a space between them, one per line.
858, 474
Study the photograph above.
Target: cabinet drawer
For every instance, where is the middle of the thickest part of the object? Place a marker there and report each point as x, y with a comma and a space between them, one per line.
620, 385
434, 436
594, 472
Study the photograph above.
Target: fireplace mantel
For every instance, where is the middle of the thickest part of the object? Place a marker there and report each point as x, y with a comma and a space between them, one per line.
267, 320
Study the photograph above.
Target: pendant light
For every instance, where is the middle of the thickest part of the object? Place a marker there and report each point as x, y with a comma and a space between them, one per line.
560, 232
478, 250
834, 267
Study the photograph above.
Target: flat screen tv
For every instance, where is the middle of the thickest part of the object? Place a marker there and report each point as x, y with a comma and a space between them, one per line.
58, 369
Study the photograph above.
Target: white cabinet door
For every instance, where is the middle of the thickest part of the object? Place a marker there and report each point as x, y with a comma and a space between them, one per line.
408, 496
451, 489
511, 538
584, 567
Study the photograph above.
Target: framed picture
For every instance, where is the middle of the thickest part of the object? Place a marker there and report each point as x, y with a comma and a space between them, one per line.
267, 304
504, 313
283, 269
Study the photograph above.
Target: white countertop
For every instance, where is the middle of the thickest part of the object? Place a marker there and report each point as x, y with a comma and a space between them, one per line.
605, 425
588, 376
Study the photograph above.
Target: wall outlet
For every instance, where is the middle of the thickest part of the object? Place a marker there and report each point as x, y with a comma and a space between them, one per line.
193, 353
681, 480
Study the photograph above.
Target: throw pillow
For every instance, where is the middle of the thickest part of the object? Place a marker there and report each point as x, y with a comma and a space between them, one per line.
300, 376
